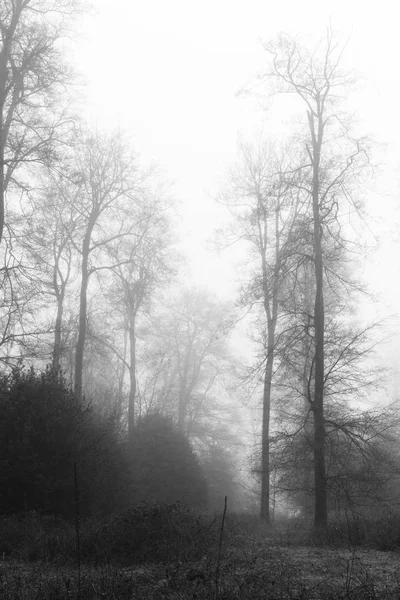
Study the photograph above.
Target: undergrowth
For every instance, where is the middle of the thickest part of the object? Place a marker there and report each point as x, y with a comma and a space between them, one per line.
365, 530
170, 552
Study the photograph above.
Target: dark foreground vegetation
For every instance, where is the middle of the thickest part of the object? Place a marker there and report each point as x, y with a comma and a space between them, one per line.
86, 512
169, 551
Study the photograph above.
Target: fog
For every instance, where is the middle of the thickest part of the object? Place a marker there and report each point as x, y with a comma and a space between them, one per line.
171, 74
200, 306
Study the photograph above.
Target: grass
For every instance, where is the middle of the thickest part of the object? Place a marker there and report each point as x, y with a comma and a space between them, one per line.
168, 552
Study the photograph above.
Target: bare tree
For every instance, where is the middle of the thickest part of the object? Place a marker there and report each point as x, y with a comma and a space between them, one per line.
106, 201
191, 360
20, 298
48, 231
333, 156
143, 262
265, 206
33, 77
355, 432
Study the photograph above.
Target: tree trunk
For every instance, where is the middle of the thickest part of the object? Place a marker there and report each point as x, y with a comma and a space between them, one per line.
182, 408
132, 376
2, 191
183, 388
3, 72
265, 463
321, 513
57, 334
123, 369
8, 35
321, 516
271, 312
80, 344
308, 350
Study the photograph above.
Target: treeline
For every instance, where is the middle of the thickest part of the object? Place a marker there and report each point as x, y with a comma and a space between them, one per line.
141, 390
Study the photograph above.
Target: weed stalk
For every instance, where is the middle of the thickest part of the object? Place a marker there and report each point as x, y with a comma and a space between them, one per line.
77, 529
221, 533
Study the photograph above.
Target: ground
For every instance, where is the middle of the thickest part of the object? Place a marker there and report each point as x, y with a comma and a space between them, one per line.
251, 567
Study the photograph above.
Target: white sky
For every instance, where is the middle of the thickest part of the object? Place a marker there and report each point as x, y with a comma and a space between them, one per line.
167, 72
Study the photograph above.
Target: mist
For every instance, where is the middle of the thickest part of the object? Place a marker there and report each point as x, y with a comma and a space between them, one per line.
199, 313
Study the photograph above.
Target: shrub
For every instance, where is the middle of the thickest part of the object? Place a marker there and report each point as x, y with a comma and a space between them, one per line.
145, 533
44, 429
379, 531
40, 422
160, 533
164, 467
31, 536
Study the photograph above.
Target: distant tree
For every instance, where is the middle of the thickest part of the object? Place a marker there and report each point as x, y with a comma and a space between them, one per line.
191, 361
219, 466
144, 262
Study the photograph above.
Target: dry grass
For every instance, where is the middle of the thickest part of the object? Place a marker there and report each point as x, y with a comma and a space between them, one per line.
252, 567
167, 552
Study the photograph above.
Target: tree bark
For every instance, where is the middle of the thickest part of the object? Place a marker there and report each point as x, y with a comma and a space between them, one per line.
321, 513
183, 388
57, 334
265, 442
80, 344
132, 376
8, 35
271, 312
123, 369
3, 72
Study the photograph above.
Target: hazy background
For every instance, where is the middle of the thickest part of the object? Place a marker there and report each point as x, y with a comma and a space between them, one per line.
169, 73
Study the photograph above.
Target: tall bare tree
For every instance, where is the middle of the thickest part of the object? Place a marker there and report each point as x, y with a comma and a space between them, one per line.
106, 200
265, 206
315, 77
144, 262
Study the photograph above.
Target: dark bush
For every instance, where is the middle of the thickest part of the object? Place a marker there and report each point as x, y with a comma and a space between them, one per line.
145, 533
164, 465
31, 536
161, 533
369, 530
219, 470
378, 531
40, 425
44, 429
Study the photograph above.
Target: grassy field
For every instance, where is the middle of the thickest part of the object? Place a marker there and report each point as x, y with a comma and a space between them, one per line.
151, 562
